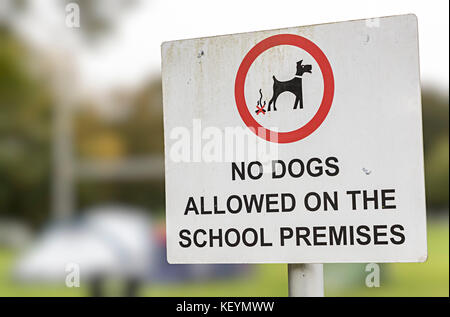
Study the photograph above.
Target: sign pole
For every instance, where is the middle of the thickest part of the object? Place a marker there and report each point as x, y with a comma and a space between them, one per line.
305, 280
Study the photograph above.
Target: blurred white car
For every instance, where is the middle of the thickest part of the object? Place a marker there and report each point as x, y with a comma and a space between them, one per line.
106, 242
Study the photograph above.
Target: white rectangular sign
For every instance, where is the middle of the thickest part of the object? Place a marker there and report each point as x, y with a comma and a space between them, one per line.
297, 145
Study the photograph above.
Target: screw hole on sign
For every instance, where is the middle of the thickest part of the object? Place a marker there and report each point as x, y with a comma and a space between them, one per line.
328, 92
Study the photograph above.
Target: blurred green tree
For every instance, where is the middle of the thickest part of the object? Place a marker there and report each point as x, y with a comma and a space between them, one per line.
137, 134
435, 114
25, 128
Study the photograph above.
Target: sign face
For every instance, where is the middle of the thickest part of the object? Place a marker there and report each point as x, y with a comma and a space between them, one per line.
297, 145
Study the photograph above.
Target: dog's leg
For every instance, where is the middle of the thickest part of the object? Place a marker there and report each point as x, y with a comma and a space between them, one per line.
296, 102
301, 95
273, 101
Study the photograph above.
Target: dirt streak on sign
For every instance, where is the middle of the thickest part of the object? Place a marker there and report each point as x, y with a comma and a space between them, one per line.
297, 145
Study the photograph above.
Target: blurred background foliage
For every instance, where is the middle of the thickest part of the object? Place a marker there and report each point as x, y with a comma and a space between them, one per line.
137, 132
25, 140
27, 114
25, 134
435, 134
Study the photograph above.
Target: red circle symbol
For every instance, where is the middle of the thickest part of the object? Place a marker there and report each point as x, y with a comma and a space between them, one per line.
328, 91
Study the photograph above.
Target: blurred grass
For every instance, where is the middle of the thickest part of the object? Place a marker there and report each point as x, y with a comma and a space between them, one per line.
413, 279
397, 279
12, 288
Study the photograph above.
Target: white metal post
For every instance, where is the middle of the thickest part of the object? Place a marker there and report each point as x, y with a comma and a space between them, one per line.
305, 280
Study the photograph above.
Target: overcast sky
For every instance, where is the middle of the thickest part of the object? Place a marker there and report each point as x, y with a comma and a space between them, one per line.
132, 52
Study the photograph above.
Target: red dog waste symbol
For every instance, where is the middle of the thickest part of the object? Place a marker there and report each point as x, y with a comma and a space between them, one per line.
259, 105
324, 106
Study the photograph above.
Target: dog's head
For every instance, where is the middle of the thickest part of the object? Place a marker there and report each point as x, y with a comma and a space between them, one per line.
301, 69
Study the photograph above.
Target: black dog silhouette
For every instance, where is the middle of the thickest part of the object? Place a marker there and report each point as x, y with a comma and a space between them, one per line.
294, 86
